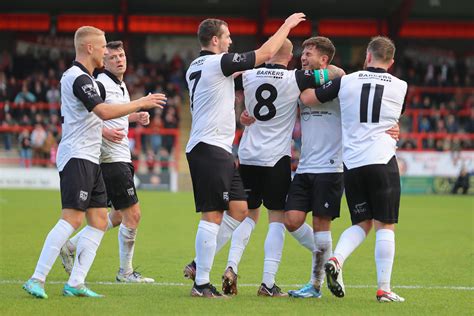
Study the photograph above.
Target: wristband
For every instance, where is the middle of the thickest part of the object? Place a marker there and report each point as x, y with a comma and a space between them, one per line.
326, 75
317, 79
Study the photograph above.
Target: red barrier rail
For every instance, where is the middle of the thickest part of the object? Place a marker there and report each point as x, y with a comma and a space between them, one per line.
138, 132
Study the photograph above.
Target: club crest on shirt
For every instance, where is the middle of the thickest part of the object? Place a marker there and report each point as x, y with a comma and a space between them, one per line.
306, 113
89, 90
239, 58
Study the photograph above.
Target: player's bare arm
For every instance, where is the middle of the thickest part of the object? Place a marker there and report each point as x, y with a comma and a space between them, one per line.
273, 44
335, 72
110, 111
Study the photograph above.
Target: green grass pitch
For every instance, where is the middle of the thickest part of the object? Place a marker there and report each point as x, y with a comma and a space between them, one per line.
433, 270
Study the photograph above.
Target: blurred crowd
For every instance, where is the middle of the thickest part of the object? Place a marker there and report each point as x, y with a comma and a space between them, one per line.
30, 97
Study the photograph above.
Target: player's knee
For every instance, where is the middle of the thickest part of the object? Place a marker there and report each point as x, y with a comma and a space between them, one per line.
238, 210
292, 224
116, 220
366, 225
321, 223
98, 220
74, 222
132, 216
136, 216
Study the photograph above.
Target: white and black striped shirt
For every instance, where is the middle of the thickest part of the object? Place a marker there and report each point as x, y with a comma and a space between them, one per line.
212, 97
81, 128
371, 102
114, 91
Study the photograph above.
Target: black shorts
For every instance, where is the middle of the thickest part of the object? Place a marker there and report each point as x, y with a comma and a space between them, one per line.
373, 192
216, 180
82, 186
267, 184
320, 193
118, 178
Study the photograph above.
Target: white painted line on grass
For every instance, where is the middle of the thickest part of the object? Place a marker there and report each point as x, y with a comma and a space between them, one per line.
409, 287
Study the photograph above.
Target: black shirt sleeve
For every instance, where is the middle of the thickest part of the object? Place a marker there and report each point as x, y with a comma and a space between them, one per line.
238, 82
83, 88
235, 62
305, 79
102, 92
329, 90
404, 106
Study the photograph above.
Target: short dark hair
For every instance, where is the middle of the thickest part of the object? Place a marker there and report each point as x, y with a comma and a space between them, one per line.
323, 44
208, 29
115, 45
382, 48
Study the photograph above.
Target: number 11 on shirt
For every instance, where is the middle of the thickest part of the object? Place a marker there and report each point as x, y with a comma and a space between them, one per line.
376, 104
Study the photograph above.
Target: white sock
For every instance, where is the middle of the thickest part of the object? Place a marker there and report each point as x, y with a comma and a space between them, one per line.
228, 225
384, 254
323, 243
350, 239
53, 243
305, 237
273, 251
240, 239
86, 249
205, 250
126, 241
74, 240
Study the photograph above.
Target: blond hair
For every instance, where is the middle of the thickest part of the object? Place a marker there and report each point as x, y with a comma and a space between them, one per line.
285, 50
323, 45
381, 48
83, 32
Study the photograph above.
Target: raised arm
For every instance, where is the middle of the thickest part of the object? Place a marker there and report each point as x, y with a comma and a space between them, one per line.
273, 44
233, 63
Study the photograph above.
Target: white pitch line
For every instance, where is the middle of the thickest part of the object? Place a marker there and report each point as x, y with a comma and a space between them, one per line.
409, 287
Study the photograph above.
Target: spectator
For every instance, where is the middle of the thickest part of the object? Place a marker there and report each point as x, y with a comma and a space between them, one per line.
38, 138
48, 145
3, 87
25, 148
155, 125
52, 95
25, 96
462, 182
8, 136
171, 120
452, 125
424, 126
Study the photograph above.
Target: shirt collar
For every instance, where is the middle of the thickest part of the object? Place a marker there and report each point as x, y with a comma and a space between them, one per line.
81, 66
205, 52
112, 76
275, 66
373, 69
